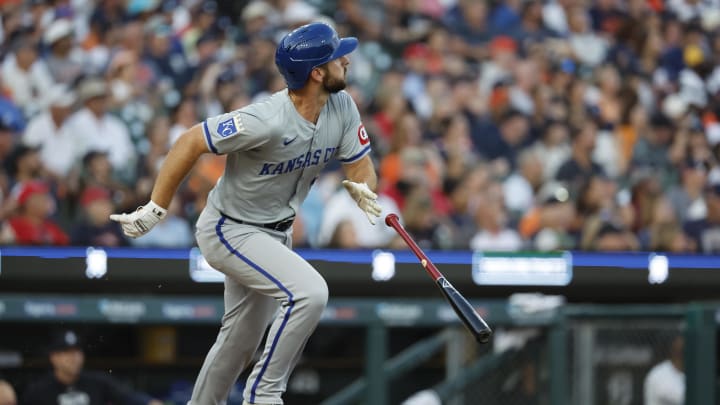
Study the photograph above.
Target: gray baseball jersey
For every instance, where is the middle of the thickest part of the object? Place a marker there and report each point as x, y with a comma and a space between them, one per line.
273, 157
274, 154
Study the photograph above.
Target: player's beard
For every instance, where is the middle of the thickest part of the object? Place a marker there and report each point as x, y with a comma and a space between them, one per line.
333, 84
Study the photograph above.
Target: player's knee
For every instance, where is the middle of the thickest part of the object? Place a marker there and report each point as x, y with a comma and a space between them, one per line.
317, 296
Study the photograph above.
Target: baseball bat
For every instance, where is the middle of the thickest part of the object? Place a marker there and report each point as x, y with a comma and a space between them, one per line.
464, 310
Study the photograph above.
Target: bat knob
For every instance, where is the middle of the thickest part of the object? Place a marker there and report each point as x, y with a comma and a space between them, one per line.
390, 218
484, 336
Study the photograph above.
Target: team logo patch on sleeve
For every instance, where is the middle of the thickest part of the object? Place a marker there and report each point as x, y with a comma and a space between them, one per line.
363, 135
230, 126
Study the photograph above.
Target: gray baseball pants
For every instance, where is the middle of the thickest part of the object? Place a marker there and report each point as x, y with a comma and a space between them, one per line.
264, 278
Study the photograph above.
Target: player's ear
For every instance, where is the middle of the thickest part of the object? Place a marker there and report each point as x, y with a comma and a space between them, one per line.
318, 73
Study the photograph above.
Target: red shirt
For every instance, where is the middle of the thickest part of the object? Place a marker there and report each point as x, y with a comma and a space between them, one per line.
29, 233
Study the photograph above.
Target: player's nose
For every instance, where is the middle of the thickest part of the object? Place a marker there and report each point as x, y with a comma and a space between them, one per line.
345, 60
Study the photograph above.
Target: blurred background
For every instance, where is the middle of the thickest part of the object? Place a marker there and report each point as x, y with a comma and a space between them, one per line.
559, 160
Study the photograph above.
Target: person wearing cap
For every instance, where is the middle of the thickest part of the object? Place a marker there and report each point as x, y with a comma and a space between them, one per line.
26, 76
64, 60
97, 129
48, 132
94, 227
69, 383
275, 151
32, 224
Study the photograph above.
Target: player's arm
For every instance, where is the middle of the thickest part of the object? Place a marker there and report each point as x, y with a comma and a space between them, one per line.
181, 158
361, 171
177, 164
360, 183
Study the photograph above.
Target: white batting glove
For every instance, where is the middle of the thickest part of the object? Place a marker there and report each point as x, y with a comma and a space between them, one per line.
365, 199
141, 221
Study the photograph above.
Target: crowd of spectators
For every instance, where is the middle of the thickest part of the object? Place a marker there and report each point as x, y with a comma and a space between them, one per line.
496, 125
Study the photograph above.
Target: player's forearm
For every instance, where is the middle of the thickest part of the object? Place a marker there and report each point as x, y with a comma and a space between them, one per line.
362, 171
181, 158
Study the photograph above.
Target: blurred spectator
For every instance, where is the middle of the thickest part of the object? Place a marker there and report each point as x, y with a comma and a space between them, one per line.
7, 394
705, 232
501, 147
97, 171
65, 60
588, 47
173, 232
607, 237
653, 149
344, 236
665, 382
26, 76
337, 211
48, 132
166, 58
24, 165
69, 383
32, 224
554, 148
491, 219
521, 186
97, 130
670, 237
94, 228
184, 116
580, 165
420, 219
461, 192
687, 198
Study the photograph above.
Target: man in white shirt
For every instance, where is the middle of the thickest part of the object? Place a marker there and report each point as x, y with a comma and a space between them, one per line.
26, 76
98, 130
48, 132
368, 236
665, 383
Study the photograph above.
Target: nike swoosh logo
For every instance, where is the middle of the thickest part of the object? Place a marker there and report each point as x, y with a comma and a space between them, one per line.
287, 142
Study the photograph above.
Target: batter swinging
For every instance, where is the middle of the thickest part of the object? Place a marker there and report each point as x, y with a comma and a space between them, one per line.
275, 150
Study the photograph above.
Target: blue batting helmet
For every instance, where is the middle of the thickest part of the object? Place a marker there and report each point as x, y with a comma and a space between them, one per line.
307, 47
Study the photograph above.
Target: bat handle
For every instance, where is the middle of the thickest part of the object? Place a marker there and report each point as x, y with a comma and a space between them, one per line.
393, 221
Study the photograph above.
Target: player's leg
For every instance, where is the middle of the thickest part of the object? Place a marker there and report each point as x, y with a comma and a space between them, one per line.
262, 263
247, 314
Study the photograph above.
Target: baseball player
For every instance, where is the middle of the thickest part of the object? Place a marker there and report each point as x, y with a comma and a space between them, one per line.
275, 151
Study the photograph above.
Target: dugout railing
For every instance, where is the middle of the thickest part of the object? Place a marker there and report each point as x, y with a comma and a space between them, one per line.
585, 354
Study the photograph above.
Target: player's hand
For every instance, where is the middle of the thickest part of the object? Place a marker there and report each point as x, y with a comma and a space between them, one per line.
140, 222
365, 199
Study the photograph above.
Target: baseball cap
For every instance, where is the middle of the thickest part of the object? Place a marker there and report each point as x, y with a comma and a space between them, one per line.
256, 9
92, 194
92, 88
503, 43
57, 30
30, 188
65, 339
61, 96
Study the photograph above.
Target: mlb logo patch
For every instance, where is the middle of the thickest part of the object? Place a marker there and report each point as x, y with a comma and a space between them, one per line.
227, 127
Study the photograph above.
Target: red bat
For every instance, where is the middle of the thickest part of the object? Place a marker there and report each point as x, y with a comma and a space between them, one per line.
467, 314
